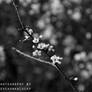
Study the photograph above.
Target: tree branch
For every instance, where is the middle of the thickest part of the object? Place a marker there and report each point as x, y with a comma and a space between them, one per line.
57, 66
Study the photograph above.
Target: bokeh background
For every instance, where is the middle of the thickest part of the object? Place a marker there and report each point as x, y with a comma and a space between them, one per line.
66, 24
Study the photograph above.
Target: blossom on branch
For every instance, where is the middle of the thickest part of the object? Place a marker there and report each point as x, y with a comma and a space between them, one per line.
37, 53
26, 35
56, 59
35, 40
42, 46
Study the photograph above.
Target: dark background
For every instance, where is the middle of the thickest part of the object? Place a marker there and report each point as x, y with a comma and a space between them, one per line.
67, 24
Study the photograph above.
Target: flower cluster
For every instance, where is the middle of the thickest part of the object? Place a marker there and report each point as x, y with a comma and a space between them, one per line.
41, 47
56, 59
36, 40
37, 53
27, 35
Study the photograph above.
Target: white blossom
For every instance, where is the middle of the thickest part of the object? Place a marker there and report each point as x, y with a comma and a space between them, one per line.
40, 36
56, 59
30, 31
33, 46
36, 40
26, 35
37, 53
42, 45
51, 48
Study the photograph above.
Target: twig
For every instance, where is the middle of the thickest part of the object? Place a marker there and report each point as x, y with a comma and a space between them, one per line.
30, 57
38, 59
59, 68
20, 18
46, 62
18, 14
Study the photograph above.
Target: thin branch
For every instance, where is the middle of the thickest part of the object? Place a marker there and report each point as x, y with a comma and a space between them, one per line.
46, 62
38, 59
18, 14
20, 18
30, 57
65, 77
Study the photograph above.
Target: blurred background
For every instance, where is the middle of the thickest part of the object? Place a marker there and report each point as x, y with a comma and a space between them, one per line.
67, 24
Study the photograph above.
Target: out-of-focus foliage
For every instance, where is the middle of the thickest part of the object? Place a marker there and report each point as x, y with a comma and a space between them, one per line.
67, 24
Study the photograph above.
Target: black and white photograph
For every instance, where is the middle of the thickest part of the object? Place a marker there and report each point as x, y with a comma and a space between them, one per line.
45, 45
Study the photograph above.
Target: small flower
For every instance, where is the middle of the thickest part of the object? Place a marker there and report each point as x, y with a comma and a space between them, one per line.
40, 36
56, 59
37, 53
42, 46
36, 40
51, 51
51, 48
26, 36
30, 31
33, 47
